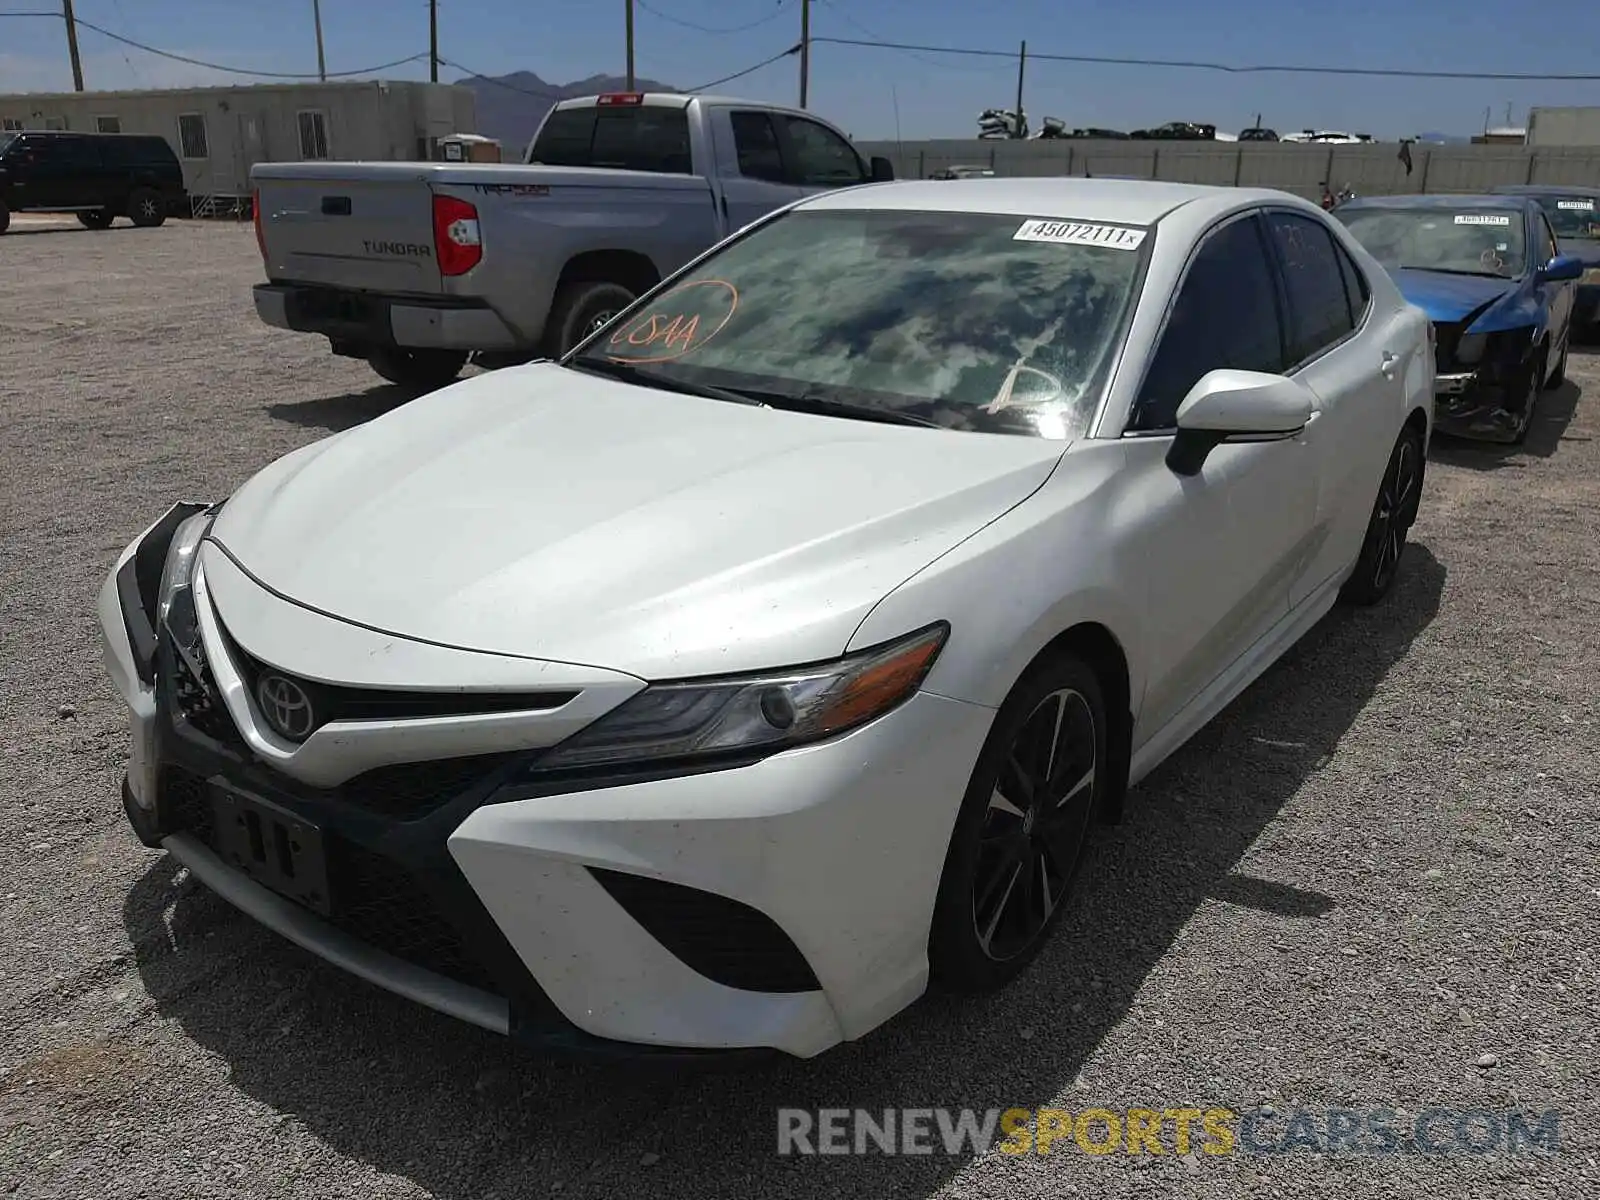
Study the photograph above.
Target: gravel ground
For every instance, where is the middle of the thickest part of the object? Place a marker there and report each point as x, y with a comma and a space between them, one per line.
1371, 882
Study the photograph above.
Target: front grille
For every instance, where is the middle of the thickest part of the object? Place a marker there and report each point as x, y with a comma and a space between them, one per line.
410, 791
197, 699
336, 702
726, 941
374, 898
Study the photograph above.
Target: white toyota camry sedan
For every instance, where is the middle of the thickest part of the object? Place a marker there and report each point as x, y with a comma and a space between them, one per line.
763, 663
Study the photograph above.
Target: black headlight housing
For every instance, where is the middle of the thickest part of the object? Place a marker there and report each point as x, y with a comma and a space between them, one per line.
144, 579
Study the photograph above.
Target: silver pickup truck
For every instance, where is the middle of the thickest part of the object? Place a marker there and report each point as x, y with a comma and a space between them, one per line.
418, 266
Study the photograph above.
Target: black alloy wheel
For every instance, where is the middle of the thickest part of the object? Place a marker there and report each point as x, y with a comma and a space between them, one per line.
1393, 512
1033, 829
1020, 833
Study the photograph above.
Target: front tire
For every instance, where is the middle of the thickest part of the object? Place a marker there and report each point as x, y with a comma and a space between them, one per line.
1393, 513
423, 370
581, 308
1020, 832
99, 218
146, 208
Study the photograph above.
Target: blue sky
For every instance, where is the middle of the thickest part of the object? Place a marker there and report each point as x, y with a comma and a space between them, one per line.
860, 88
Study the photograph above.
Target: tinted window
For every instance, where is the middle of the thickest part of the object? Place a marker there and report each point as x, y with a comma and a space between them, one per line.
947, 316
642, 137
1226, 315
1319, 312
821, 157
757, 143
1355, 284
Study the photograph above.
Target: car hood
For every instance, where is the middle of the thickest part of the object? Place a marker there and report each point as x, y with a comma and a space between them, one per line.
544, 513
1450, 298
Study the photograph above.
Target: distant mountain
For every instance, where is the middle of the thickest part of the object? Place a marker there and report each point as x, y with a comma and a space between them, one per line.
510, 107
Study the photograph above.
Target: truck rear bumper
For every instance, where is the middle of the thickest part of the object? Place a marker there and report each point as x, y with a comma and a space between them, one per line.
366, 319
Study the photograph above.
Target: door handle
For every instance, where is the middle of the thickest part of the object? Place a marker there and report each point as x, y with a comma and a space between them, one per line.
1390, 361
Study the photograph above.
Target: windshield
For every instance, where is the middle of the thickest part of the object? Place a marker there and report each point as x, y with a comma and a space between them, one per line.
1478, 241
1571, 216
970, 321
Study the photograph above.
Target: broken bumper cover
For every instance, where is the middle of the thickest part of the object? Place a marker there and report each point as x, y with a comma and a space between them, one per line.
362, 319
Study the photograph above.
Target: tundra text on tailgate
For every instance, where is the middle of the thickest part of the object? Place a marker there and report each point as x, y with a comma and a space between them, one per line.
418, 266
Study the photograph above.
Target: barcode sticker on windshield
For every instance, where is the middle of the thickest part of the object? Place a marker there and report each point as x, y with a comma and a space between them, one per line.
1076, 233
1577, 205
1482, 219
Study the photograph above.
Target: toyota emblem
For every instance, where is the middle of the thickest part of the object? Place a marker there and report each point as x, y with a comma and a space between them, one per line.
285, 706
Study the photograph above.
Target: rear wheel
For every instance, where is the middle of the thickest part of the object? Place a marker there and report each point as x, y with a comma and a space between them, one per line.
579, 310
146, 208
1392, 515
99, 218
1020, 833
423, 370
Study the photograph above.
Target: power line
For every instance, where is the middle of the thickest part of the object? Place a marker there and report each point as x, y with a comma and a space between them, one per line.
844, 16
715, 29
1530, 77
211, 66
765, 62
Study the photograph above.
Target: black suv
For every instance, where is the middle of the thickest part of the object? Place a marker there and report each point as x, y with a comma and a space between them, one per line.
98, 176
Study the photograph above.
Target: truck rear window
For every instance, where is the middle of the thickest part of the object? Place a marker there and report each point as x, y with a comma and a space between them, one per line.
645, 137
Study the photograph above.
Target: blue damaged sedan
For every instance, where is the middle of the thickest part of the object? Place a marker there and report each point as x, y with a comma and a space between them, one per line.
1487, 271
1574, 214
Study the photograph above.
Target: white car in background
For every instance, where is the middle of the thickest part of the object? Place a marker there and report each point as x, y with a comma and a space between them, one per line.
769, 656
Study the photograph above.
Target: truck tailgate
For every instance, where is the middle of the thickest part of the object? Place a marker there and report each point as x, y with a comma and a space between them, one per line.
361, 228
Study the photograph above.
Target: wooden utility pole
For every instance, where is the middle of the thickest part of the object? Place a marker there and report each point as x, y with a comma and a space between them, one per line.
72, 45
433, 40
322, 63
629, 4
1022, 66
805, 49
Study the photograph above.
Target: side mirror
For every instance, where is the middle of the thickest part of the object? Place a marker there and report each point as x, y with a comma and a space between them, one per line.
1560, 269
882, 169
1236, 406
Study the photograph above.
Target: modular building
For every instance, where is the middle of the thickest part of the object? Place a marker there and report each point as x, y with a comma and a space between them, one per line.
1564, 126
219, 133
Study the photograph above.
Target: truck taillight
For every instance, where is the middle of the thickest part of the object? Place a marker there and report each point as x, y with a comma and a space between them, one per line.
457, 241
261, 236
612, 99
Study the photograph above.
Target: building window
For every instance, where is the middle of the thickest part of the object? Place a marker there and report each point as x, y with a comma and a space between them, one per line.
192, 136
313, 135
10, 124
108, 125
55, 122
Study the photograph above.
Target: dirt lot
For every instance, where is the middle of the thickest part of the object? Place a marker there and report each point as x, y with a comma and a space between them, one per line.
1372, 882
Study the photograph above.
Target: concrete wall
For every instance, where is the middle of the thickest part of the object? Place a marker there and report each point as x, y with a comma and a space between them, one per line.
372, 120
1373, 169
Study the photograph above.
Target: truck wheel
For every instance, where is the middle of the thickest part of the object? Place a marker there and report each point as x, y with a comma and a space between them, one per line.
420, 369
146, 209
99, 218
580, 309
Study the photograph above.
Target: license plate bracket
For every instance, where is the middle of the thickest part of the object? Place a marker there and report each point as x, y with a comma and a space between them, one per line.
273, 846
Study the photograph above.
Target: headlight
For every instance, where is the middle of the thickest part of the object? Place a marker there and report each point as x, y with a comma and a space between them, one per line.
761, 713
1470, 348
175, 610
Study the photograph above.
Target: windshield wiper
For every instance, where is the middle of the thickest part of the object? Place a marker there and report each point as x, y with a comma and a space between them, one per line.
634, 373
1455, 271
822, 406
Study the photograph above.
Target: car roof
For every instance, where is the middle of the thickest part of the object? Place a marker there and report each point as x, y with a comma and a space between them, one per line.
1545, 189
1121, 201
1442, 200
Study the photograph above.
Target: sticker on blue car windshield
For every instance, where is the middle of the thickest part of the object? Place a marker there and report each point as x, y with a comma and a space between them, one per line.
1076, 233
1576, 205
1482, 219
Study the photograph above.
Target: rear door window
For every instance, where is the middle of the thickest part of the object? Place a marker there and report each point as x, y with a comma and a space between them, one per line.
1319, 309
760, 154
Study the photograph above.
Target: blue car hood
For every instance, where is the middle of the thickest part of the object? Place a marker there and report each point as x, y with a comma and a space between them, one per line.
1450, 298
